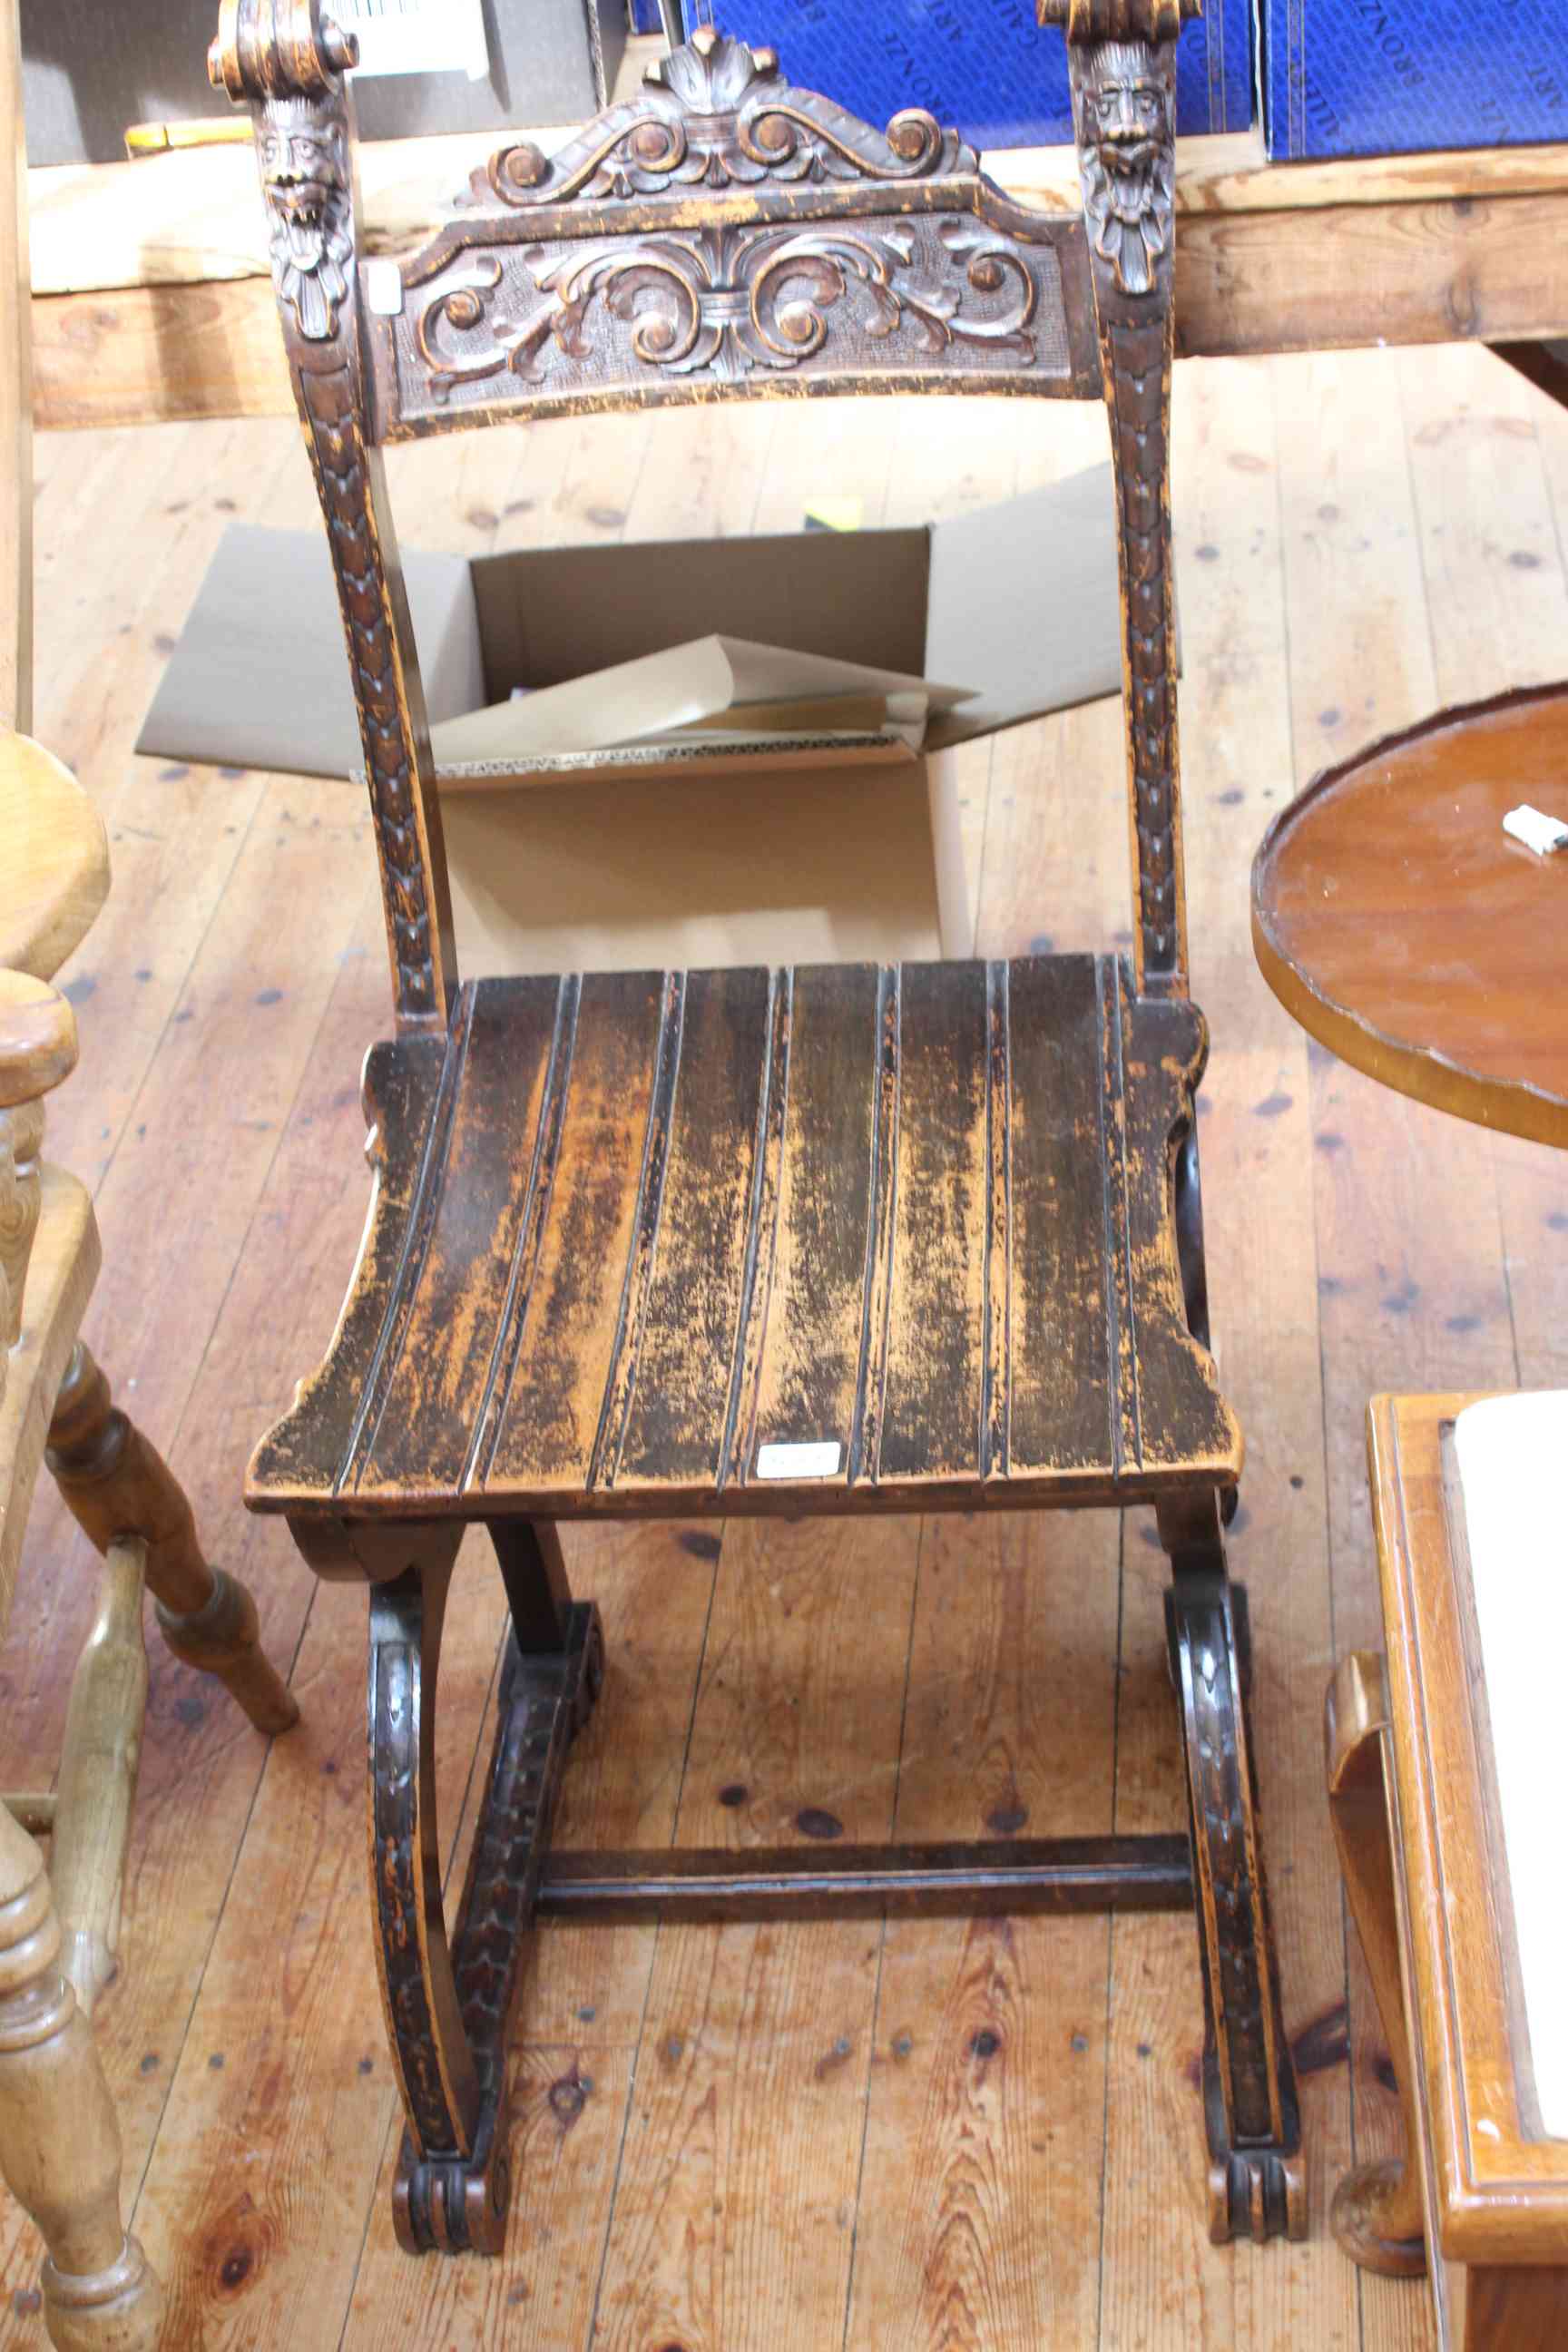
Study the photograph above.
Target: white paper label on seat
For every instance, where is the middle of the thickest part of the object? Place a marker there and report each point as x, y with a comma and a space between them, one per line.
799, 1461
407, 37
1537, 831
1510, 1454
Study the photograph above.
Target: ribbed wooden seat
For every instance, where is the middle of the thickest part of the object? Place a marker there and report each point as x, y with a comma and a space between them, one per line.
642, 1238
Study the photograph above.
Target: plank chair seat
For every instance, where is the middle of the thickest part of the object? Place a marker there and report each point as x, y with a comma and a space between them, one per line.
826, 1239
670, 1242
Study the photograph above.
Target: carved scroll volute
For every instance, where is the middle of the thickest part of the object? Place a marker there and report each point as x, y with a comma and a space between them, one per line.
1122, 58
286, 59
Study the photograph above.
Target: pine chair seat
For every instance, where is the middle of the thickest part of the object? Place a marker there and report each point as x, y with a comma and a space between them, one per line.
649, 1242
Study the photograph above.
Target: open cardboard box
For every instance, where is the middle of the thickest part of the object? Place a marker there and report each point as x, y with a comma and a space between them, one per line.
790, 849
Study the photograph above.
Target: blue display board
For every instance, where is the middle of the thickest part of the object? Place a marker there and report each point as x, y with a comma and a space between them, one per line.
985, 66
1384, 76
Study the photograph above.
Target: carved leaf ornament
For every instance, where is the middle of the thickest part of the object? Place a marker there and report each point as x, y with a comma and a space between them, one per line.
726, 300
719, 114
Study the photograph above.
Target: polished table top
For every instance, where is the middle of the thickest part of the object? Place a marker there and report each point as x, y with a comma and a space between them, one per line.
1405, 929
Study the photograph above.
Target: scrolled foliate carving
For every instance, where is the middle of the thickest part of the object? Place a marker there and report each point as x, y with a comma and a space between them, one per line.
278, 48
727, 301
717, 113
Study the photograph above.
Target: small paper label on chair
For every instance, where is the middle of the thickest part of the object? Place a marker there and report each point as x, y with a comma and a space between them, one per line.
799, 1461
384, 287
405, 37
1543, 834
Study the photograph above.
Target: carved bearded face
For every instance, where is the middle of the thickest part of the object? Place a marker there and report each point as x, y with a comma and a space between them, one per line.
1126, 133
306, 180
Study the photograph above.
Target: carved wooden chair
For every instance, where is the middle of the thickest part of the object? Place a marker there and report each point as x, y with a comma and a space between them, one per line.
59, 1929
826, 1240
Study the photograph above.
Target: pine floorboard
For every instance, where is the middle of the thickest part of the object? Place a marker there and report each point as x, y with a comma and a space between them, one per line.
940, 2137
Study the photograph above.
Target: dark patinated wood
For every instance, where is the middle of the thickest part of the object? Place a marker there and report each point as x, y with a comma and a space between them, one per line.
1257, 2182
431, 2052
640, 1240
1001, 1878
453, 2185
288, 60
1122, 59
858, 261
1442, 989
634, 1229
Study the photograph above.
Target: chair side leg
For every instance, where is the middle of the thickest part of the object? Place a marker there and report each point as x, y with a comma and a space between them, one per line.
115, 1484
60, 2139
449, 2001
1256, 2183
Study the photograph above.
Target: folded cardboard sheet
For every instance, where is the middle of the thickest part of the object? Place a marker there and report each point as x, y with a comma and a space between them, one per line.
752, 689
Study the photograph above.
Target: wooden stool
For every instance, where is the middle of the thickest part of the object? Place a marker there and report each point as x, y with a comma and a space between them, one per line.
1454, 1872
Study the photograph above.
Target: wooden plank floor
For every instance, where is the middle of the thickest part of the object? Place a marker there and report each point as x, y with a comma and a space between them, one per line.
941, 2138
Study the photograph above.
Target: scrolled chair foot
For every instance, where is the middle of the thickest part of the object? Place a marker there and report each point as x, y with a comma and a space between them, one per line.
1257, 2193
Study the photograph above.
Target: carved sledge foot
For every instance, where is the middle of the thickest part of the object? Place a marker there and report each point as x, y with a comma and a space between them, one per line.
1256, 2186
449, 2007
1257, 2195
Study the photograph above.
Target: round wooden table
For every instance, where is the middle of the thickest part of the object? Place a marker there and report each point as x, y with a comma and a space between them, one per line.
1400, 925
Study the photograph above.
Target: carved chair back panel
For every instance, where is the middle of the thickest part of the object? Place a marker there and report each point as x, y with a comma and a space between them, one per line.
724, 235
670, 305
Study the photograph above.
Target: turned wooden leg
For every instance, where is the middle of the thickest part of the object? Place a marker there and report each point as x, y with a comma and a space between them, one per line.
59, 2141
116, 1484
98, 1775
1377, 2213
1256, 2185
448, 2003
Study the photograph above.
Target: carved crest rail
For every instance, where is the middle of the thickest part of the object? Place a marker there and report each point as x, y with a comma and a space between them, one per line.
616, 273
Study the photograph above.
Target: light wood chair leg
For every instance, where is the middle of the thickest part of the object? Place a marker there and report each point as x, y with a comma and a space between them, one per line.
116, 1484
59, 2140
1377, 2215
91, 1827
